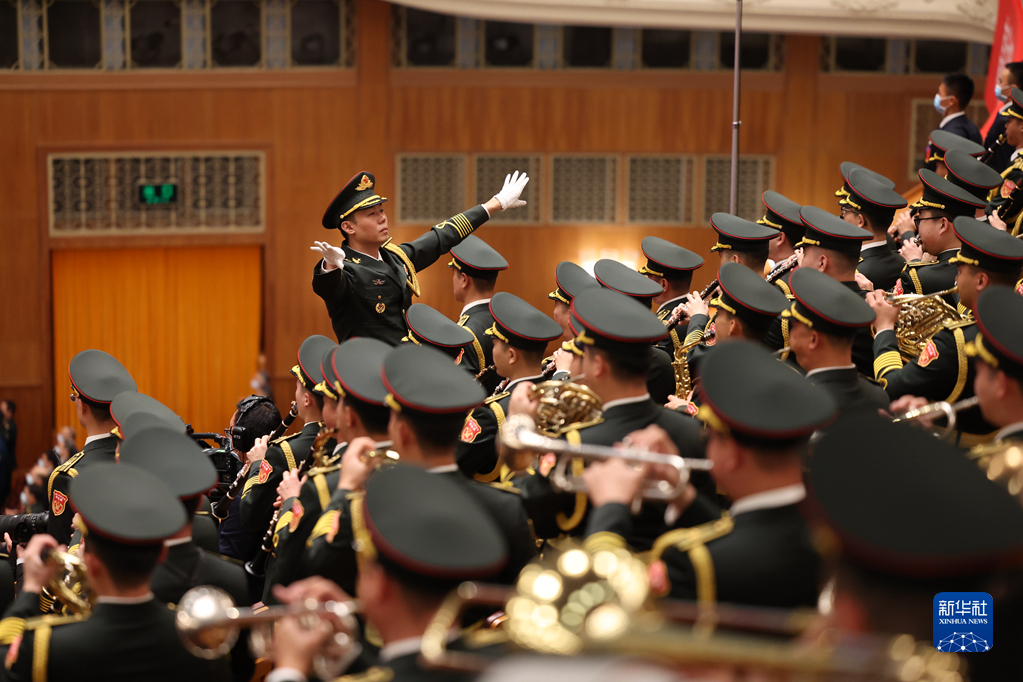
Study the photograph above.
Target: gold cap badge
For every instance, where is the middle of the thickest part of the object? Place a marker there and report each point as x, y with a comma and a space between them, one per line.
365, 183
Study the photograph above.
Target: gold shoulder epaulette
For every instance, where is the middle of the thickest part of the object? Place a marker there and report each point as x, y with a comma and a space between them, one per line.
504, 487
921, 263
495, 398
684, 539
579, 425
410, 269
284, 438
318, 471
51, 620
375, 674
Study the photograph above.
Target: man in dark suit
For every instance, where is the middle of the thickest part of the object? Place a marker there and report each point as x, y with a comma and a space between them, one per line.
759, 416
129, 635
871, 206
824, 319
475, 266
368, 284
954, 94
1010, 75
180, 463
96, 379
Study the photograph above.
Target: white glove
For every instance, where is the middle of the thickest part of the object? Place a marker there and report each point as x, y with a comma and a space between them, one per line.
509, 194
333, 256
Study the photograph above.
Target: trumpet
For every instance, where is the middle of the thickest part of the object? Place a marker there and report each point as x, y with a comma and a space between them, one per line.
209, 624
69, 576
381, 455
902, 299
950, 410
519, 433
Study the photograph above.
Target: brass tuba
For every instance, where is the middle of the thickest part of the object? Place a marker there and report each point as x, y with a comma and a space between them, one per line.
921, 317
563, 403
70, 584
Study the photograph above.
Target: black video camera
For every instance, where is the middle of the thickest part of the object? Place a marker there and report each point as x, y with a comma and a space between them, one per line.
23, 526
219, 449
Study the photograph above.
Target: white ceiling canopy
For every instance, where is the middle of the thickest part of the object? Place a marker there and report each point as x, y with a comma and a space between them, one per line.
970, 20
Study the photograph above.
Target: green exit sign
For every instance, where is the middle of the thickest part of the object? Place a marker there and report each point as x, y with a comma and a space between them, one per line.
162, 193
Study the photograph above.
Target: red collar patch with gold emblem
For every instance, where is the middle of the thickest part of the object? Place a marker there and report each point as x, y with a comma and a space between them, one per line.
265, 469
470, 430
1007, 188
59, 502
929, 354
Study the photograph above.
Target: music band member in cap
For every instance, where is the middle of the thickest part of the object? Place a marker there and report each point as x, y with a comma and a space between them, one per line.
520, 334
783, 215
288, 452
871, 205
96, 379
474, 269
1005, 199
367, 284
616, 339
671, 267
429, 398
760, 553
997, 350
429, 327
187, 471
933, 215
943, 371
419, 535
823, 321
129, 634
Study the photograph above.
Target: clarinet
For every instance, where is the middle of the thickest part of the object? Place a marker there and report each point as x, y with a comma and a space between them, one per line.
483, 372
220, 507
679, 313
257, 566
781, 268
989, 152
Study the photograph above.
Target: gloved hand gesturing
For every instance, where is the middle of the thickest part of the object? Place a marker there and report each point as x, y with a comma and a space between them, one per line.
333, 256
512, 190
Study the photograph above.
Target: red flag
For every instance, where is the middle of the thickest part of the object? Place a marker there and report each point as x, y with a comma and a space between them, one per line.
1007, 47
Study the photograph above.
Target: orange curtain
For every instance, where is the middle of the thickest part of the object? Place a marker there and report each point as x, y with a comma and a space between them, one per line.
185, 322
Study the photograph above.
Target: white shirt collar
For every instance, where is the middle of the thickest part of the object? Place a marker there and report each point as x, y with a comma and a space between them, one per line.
376, 257
626, 401
1018, 426
403, 647
828, 369
950, 117
1015, 154
97, 437
126, 600
954, 248
174, 542
442, 469
672, 304
338, 447
769, 499
537, 379
873, 245
482, 301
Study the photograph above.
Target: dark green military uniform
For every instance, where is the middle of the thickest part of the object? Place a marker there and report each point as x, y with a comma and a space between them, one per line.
665, 260
1005, 199
875, 201
122, 639
431, 327
477, 450
477, 259
761, 553
782, 214
97, 377
369, 297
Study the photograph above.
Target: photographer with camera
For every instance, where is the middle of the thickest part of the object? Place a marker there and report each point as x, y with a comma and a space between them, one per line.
254, 420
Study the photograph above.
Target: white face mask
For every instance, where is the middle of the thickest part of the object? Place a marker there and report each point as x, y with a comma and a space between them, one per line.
24, 498
1000, 93
29, 479
937, 104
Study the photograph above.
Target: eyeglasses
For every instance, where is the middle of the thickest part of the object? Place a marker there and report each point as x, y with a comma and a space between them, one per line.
848, 211
74, 394
917, 220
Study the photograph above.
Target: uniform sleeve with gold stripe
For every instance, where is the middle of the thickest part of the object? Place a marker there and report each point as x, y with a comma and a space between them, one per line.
938, 374
425, 250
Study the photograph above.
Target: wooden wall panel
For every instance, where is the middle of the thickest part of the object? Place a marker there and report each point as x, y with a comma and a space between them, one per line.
320, 129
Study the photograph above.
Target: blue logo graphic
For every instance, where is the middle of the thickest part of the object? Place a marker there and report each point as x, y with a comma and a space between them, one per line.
963, 622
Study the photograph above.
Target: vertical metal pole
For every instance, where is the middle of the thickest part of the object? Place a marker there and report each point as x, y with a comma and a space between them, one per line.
733, 195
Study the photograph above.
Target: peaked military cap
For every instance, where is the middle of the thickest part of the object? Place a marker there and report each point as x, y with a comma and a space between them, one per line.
1015, 109
623, 279
775, 403
999, 315
740, 235
430, 327
571, 280
987, 247
826, 305
519, 324
847, 167
941, 194
427, 530
664, 259
942, 142
131, 410
975, 177
99, 377
423, 379
828, 231
867, 195
614, 322
358, 193
912, 527
782, 214
173, 457
144, 511
327, 388
476, 258
748, 296
356, 366
310, 354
